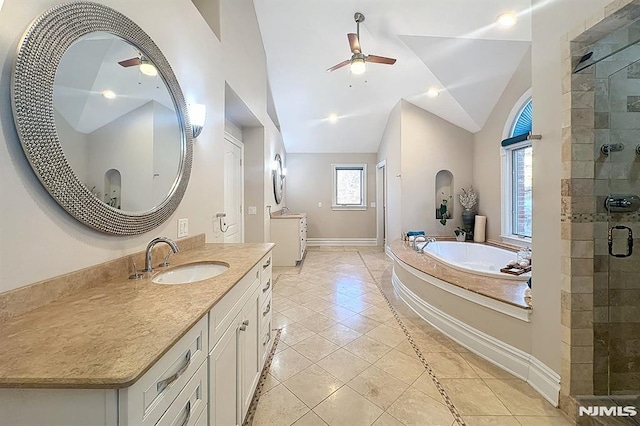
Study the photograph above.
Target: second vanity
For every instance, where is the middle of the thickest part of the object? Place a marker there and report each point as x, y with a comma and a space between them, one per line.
289, 233
132, 352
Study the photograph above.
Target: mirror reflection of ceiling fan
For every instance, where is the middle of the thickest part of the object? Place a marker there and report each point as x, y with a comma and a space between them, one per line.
146, 66
359, 59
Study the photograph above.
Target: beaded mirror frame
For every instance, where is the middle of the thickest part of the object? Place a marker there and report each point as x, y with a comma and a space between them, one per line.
39, 53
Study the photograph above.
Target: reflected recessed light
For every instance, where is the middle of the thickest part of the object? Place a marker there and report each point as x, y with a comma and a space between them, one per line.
333, 117
433, 92
109, 94
507, 20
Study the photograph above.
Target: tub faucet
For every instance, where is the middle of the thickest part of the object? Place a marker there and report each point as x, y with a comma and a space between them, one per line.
147, 259
426, 240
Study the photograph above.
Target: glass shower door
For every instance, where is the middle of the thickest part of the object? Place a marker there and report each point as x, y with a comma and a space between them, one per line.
617, 307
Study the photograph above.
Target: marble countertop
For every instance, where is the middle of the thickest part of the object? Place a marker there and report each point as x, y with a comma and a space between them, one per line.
504, 290
109, 335
278, 215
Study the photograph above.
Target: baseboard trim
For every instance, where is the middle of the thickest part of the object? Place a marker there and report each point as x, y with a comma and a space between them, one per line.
361, 242
511, 359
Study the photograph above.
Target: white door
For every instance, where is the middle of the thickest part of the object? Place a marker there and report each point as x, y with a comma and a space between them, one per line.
233, 195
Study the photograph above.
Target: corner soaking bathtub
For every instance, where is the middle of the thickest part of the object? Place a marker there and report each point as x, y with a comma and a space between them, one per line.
474, 258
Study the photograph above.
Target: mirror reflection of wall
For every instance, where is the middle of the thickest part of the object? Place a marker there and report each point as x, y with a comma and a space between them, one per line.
114, 117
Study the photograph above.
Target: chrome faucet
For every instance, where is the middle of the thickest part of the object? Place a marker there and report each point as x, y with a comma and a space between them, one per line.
283, 209
424, 239
147, 259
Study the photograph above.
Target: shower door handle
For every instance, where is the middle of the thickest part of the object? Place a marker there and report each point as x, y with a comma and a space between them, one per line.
629, 241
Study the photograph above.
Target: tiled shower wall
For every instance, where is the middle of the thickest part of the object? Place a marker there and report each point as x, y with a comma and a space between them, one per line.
587, 305
616, 295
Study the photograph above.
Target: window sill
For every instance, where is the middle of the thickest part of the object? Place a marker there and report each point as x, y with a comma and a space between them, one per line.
516, 241
348, 207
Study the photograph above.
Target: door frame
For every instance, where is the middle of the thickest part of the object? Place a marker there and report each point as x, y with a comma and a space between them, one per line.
381, 197
228, 137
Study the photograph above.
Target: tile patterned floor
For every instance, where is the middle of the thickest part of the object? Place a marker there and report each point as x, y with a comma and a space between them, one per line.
349, 353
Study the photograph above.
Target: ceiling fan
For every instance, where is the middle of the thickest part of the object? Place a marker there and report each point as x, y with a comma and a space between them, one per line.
358, 59
146, 66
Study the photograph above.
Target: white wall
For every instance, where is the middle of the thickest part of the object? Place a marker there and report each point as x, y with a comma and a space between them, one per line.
40, 240
309, 182
389, 151
126, 145
551, 20
486, 149
430, 144
416, 146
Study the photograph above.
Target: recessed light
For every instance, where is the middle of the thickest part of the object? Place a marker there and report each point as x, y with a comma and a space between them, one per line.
109, 94
507, 20
333, 117
433, 92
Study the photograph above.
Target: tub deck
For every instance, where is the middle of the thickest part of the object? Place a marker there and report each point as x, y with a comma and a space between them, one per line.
504, 290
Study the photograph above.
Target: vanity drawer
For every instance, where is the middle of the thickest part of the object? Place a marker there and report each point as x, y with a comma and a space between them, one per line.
223, 312
148, 398
265, 290
265, 311
266, 340
190, 404
266, 269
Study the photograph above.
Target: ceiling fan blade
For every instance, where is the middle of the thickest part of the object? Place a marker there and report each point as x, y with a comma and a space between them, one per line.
380, 59
354, 43
130, 62
340, 65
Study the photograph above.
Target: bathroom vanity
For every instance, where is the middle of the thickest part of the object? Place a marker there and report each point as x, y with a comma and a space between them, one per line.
133, 352
289, 232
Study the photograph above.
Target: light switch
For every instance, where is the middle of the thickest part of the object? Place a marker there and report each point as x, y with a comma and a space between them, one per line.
319, 204
253, 210
373, 204
183, 228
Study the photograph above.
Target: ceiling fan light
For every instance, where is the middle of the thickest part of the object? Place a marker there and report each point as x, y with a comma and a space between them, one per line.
358, 66
147, 68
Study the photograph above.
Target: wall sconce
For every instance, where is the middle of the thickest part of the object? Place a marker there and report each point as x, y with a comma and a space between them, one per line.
197, 113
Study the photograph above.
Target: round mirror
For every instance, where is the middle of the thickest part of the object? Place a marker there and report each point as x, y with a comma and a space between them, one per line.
278, 179
101, 118
117, 123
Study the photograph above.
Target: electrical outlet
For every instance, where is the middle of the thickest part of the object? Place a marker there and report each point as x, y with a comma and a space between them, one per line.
319, 204
183, 228
253, 210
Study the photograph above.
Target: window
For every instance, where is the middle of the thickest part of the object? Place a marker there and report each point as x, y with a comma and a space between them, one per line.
349, 186
517, 154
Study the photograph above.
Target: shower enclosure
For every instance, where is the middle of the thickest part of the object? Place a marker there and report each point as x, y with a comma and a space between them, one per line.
604, 326
616, 297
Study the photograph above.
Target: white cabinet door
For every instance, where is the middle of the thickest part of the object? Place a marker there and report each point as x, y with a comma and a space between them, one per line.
250, 363
223, 379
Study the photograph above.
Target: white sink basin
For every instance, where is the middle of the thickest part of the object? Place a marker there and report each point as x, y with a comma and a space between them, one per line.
190, 273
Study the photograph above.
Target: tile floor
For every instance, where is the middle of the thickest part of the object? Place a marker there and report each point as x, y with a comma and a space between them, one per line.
344, 359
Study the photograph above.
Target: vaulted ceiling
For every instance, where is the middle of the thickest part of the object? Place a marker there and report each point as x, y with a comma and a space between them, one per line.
453, 45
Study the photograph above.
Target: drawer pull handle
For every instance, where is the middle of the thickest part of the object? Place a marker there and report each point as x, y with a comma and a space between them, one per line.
266, 311
267, 287
162, 385
267, 339
266, 265
187, 408
244, 325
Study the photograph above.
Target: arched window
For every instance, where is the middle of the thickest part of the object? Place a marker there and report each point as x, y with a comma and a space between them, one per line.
517, 173
522, 123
